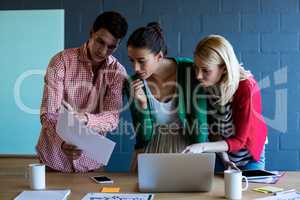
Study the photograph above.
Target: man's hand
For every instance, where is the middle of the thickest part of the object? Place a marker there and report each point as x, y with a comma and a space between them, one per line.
82, 117
71, 151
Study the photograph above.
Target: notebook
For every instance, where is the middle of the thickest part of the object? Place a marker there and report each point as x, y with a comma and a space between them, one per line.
44, 195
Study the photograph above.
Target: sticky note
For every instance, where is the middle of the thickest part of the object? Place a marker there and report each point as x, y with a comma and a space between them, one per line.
110, 189
268, 189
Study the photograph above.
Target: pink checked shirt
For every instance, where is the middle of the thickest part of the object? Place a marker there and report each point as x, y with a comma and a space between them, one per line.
70, 77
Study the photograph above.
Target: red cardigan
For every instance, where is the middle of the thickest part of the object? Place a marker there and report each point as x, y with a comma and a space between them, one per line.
250, 127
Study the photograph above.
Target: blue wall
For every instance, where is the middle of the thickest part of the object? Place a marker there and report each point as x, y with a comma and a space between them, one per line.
265, 34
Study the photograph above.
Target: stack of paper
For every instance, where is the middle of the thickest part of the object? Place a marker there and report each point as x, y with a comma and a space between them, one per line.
114, 196
44, 195
73, 131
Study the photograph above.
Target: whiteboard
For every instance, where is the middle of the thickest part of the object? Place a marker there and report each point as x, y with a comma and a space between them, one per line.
28, 39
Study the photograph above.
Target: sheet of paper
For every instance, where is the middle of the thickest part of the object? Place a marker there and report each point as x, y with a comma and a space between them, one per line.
44, 195
288, 196
73, 131
119, 196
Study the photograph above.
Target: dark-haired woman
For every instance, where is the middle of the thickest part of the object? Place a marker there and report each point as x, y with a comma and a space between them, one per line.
160, 94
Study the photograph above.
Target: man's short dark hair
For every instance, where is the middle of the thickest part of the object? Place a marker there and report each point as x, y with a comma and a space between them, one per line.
113, 21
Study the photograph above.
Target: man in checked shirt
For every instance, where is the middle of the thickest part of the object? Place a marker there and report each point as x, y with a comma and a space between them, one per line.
90, 79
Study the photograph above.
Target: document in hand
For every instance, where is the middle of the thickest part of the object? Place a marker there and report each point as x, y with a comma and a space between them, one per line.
73, 131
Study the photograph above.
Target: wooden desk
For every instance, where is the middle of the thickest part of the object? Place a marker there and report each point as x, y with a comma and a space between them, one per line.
12, 182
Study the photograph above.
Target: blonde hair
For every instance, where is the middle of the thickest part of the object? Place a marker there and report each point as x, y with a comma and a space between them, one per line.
216, 50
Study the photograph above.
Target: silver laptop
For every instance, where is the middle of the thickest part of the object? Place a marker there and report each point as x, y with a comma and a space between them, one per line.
175, 172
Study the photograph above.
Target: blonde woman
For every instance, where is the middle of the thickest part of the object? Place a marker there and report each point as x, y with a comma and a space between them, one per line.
236, 128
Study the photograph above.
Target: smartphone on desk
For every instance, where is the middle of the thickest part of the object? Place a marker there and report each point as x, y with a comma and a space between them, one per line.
102, 179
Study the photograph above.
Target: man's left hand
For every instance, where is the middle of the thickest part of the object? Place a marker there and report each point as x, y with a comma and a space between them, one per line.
82, 117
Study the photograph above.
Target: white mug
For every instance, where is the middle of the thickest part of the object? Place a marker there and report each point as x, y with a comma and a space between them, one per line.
36, 175
233, 184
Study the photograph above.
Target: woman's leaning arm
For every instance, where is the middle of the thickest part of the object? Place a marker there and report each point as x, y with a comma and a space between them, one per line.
218, 146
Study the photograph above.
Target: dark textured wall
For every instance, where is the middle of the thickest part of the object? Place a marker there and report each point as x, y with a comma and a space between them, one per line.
264, 33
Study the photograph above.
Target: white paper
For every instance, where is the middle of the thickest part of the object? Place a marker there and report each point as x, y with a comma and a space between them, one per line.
73, 131
288, 196
44, 195
117, 196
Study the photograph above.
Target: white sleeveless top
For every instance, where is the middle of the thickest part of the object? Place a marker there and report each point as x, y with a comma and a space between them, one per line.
164, 112
168, 132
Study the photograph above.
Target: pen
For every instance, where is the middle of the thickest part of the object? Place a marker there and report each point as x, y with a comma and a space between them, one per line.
285, 192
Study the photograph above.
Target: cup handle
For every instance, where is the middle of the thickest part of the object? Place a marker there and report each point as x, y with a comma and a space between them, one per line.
246, 183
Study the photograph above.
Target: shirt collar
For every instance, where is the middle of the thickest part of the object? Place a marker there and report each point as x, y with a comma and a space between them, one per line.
83, 55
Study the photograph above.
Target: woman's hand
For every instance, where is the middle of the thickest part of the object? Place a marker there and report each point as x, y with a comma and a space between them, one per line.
71, 151
138, 92
230, 165
226, 161
195, 148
